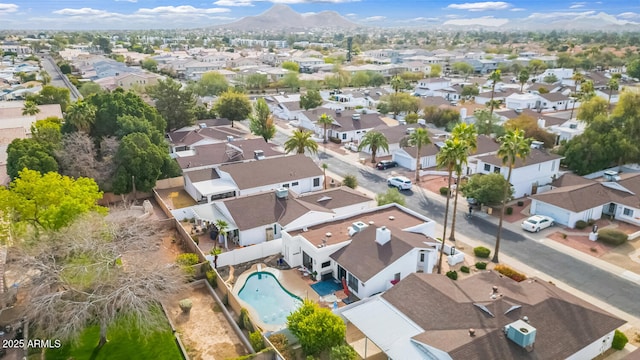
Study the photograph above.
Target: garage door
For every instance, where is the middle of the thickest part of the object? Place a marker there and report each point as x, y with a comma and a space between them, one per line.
561, 216
403, 160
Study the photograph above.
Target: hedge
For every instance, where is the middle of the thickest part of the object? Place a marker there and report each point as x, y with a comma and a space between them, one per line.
481, 252
464, 269
452, 274
481, 265
510, 273
444, 191
581, 224
612, 236
619, 340
509, 210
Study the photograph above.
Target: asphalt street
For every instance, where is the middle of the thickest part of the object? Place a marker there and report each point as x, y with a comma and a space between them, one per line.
57, 77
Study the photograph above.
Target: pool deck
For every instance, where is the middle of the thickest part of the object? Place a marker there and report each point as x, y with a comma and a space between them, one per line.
290, 279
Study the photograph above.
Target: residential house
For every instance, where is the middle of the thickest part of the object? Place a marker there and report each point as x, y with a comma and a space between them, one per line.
520, 101
483, 66
210, 131
370, 250
555, 101
214, 154
537, 169
485, 316
349, 125
429, 87
501, 94
574, 198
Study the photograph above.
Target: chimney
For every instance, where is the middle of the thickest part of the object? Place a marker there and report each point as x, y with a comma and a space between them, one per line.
383, 235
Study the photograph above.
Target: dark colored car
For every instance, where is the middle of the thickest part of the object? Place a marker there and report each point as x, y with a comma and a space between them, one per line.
385, 164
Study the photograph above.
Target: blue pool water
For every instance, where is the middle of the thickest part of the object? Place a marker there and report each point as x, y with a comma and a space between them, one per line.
326, 287
268, 298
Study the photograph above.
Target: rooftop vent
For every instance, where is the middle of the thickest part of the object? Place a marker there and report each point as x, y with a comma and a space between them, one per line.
383, 235
282, 193
537, 144
521, 333
202, 125
356, 227
611, 175
392, 217
258, 154
472, 332
355, 117
229, 138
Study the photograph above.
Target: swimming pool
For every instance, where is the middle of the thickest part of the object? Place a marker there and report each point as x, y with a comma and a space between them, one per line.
263, 292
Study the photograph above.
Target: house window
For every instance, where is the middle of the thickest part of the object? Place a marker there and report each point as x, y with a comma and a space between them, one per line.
275, 229
627, 212
352, 282
326, 264
295, 183
316, 182
487, 167
396, 277
496, 170
421, 257
344, 136
285, 186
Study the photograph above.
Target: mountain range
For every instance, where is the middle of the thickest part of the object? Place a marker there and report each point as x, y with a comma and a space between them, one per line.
282, 18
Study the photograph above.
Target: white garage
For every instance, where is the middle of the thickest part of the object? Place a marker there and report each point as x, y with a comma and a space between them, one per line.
560, 215
404, 160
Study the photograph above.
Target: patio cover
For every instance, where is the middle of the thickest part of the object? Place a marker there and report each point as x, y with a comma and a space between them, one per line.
213, 187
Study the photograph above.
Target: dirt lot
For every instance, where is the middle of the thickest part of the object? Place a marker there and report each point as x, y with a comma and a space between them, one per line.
205, 332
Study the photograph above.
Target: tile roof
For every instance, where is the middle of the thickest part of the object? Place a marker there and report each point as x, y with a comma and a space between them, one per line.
272, 171
445, 310
536, 156
365, 258
214, 154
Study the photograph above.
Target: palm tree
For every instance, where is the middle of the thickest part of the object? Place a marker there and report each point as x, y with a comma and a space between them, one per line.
223, 227
523, 77
468, 136
325, 120
397, 83
612, 85
30, 108
418, 139
325, 166
449, 157
578, 78
299, 141
494, 78
513, 145
81, 115
375, 140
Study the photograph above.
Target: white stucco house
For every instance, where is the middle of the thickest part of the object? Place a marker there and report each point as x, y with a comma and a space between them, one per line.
429, 87
522, 101
538, 169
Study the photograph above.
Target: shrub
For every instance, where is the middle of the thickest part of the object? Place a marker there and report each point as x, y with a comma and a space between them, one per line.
619, 340
187, 261
452, 274
444, 191
185, 305
350, 181
481, 265
255, 338
211, 278
591, 222
281, 343
612, 236
581, 224
481, 252
335, 140
510, 273
464, 269
244, 322
520, 203
509, 210
343, 352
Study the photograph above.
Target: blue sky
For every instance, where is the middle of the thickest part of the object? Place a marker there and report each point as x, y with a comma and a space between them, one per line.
158, 14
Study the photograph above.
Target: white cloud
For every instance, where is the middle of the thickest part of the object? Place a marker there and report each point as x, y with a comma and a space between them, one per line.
82, 12
422, 18
374, 18
577, 5
308, 13
518, 9
629, 15
452, 16
560, 14
481, 6
131, 1
351, 15
182, 9
8, 8
312, 1
482, 21
234, 3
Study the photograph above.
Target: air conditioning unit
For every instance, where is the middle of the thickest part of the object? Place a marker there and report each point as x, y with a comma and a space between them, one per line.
258, 154
521, 333
282, 193
355, 117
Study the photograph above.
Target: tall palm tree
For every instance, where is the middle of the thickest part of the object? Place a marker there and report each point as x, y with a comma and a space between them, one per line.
449, 157
325, 120
325, 166
612, 85
417, 139
494, 78
81, 115
223, 227
30, 108
468, 136
578, 78
523, 77
299, 141
513, 145
397, 83
375, 140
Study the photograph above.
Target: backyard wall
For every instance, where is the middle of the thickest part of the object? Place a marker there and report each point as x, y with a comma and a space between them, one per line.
248, 253
170, 183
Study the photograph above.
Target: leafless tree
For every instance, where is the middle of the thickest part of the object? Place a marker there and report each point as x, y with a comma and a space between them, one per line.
95, 272
79, 156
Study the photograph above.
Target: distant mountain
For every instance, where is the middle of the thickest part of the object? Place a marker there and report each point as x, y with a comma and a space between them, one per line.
282, 17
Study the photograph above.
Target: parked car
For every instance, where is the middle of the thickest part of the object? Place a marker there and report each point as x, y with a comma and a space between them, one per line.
537, 223
385, 164
351, 146
401, 182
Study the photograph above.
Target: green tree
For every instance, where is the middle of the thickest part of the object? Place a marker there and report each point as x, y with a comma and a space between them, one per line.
30, 108
316, 328
397, 84
578, 78
391, 196
374, 140
494, 78
592, 109
450, 157
291, 66
550, 79
81, 115
343, 352
257, 81
633, 69
310, 100
466, 134
513, 145
613, 85
470, 91
436, 70
350, 181
487, 123
233, 105
299, 141
52, 95
212, 83
536, 65
50, 201
401, 102
291, 81
487, 189
261, 122
149, 64
175, 105
326, 121
89, 88
418, 139
376, 79
47, 132
440, 117
29, 154
531, 129
360, 79
462, 68
523, 77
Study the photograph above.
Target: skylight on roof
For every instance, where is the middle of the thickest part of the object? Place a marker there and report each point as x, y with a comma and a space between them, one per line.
484, 308
512, 308
324, 198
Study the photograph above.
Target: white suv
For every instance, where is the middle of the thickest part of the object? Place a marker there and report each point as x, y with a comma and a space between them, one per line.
401, 182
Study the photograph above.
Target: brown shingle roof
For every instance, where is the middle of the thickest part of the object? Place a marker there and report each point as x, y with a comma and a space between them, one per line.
334, 198
272, 171
486, 144
536, 156
555, 96
570, 179
202, 175
214, 154
345, 121
445, 310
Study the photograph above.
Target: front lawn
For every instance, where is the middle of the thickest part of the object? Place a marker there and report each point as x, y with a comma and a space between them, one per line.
122, 344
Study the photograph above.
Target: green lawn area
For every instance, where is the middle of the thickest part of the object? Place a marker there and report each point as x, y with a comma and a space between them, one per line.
122, 344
